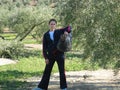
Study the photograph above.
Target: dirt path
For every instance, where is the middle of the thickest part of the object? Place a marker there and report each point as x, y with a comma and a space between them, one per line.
85, 80
33, 46
81, 80
5, 61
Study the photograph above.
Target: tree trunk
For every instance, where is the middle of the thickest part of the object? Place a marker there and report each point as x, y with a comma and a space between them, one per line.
2, 37
22, 36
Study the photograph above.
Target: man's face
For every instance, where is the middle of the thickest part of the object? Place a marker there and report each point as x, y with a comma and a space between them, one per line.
52, 25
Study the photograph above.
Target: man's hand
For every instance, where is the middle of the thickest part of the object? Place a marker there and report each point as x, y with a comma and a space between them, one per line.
47, 61
66, 33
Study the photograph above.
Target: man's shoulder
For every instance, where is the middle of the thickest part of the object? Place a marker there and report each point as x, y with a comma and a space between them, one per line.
46, 32
57, 31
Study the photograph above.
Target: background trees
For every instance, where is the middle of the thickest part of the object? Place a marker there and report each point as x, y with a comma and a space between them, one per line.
96, 28
95, 23
24, 16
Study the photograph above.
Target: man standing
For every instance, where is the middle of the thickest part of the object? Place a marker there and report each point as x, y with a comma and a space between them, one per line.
52, 54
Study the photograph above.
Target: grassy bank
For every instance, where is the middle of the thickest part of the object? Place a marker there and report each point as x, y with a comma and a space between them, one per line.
11, 36
33, 65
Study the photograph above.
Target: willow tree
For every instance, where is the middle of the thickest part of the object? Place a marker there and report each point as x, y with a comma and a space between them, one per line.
96, 28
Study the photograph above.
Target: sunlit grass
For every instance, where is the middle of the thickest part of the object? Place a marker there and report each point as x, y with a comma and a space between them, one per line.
32, 64
11, 36
29, 41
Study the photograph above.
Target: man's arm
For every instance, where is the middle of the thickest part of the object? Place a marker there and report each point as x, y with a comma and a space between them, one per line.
67, 29
44, 49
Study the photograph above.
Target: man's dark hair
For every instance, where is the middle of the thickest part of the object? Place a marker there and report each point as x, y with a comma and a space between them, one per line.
53, 20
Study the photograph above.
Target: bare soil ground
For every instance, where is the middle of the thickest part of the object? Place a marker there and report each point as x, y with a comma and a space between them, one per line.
33, 46
81, 80
4, 61
77, 80
84, 80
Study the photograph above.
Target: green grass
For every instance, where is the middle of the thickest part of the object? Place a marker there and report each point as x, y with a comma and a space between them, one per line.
32, 65
26, 67
12, 76
28, 40
9, 36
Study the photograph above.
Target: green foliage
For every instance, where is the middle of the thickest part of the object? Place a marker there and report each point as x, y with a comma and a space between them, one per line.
96, 28
95, 23
21, 16
8, 36
10, 49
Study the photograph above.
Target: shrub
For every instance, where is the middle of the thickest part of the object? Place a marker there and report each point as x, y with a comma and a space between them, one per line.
10, 49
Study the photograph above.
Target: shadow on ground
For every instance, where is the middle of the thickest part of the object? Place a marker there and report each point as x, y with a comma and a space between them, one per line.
75, 82
19, 85
15, 80
88, 86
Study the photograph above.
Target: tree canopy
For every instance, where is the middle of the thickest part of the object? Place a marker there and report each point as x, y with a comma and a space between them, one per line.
95, 24
96, 28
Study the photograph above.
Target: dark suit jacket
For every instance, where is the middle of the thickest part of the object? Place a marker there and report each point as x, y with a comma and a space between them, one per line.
50, 46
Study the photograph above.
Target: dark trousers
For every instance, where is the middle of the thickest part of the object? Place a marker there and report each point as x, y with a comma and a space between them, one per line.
48, 68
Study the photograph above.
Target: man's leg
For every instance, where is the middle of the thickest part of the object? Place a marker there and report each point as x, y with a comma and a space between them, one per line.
46, 75
61, 67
